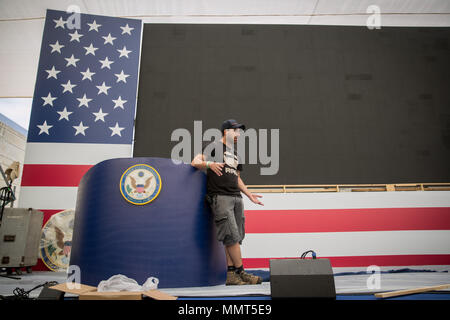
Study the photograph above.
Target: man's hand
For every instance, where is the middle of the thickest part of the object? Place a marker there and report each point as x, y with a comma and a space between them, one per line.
254, 198
216, 167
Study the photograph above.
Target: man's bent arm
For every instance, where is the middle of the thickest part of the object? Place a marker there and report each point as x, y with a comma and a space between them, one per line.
199, 162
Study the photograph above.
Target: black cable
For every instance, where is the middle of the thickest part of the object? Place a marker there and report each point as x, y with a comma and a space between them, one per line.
6, 196
21, 294
304, 254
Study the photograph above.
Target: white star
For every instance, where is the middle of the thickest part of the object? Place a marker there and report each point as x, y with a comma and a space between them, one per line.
75, 36
100, 115
59, 23
64, 114
126, 29
44, 128
124, 52
87, 74
106, 63
93, 26
68, 86
116, 130
84, 101
109, 39
121, 76
52, 73
90, 50
119, 103
48, 99
103, 88
80, 128
71, 61
56, 47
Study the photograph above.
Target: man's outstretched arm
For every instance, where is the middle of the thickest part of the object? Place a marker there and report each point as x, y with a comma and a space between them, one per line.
253, 197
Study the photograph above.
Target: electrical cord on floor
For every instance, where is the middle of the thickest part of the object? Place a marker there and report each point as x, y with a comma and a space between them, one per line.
21, 294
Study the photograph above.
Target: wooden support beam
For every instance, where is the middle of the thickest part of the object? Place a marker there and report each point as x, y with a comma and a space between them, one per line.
411, 291
390, 187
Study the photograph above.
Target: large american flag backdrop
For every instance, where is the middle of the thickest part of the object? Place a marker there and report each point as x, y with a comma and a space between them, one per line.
83, 112
83, 105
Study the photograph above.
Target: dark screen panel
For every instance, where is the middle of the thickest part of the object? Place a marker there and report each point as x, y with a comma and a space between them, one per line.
352, 105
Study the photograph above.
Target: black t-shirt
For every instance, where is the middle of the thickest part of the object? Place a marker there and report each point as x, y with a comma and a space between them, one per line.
227, 183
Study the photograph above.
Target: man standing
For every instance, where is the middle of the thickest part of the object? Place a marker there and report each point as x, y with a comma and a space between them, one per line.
224, 187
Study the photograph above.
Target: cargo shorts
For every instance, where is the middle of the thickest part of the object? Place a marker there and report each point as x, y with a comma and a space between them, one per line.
229, 218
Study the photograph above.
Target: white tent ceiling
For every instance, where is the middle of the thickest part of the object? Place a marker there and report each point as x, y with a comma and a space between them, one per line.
22, 21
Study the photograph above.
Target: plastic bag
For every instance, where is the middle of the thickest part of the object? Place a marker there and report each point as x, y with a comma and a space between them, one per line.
119, 282
150, 284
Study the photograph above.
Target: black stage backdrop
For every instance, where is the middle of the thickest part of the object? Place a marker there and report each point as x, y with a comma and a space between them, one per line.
353, 105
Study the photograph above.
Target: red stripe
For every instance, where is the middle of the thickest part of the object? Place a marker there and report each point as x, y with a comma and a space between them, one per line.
40, 266
48, 214
53, 175
365, 261
346, 220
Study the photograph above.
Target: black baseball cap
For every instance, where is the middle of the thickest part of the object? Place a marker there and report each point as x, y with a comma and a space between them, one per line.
232, 124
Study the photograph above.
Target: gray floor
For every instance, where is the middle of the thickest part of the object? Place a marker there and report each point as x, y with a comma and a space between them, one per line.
348, 284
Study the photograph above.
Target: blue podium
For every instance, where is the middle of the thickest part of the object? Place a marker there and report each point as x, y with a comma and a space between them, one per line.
144, 217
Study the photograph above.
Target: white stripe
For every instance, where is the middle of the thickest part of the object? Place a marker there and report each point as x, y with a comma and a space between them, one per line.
51, 198
74, 153
350, 200
335, 244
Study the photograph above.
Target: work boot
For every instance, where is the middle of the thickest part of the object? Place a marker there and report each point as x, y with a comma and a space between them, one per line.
234, 279
250, 278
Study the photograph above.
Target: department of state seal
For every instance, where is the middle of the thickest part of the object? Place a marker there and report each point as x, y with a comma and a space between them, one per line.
56, 240
140, 184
